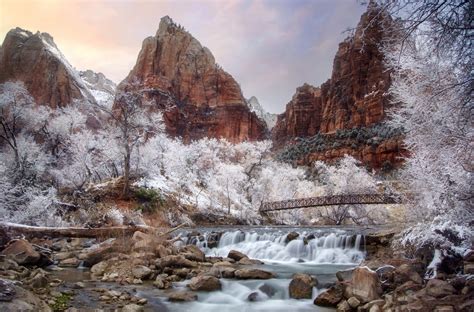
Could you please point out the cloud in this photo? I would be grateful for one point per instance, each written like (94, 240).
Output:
(269, 46)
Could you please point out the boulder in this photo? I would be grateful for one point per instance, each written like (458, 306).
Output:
(247, 261)
(222, 264)
(174, 261)
(386, 273)
(267, 290)
(365, 284)
(253, 274)
(182, 296)
(161, 251)
(20, 299)
(99, 268)
(301, 286)
(22, 252)
(468, 268)
(236, 255)
(69, 262)
(373, 306)
(141, 272)
(132, 307)
(64, 255)
(7, 290)
(343, 306)
(222, 271)
(193, 253)
(204, 283)
(405, 273)
(182, 272)
(161, 283)
(256, 296)
(330, 297)
(439, 288)
(353, 302)
(97, 253)
(38, 279)
(344, 275)
(291, 236)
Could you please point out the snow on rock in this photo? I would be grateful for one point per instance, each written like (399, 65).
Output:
(35, 60)
(101, 88)
(254, 105)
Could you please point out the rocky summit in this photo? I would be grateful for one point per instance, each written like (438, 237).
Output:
(198, 98)
(355, 97)
(35, 60)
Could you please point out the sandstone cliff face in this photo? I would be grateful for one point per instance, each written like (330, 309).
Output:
(354, 97)
(302, 117)
(198, 98)
(35, 60)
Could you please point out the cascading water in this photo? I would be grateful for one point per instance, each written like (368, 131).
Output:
(320, 253)
(335, 248)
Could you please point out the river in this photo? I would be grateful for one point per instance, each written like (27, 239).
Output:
(320, 252)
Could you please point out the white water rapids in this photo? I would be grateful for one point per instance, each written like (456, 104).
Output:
(321, 254)
(329, 248)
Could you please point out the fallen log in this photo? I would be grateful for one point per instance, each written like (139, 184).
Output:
(103, 232)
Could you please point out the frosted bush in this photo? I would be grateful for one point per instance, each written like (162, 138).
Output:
(441, 232)
(114, 216)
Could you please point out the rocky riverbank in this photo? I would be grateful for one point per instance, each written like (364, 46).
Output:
(115, 274)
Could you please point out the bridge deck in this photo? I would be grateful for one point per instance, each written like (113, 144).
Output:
(331, 200)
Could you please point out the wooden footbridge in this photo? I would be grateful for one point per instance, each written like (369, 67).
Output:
(330, 200)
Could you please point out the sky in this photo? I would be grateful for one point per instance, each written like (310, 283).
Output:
(269, 46)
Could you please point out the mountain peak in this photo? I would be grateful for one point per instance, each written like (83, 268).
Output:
(36, 60)
(198, 97)
(255, 106)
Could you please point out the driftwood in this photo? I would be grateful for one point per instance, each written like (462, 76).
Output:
(103, 232)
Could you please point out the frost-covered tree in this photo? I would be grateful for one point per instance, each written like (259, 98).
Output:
(432, 83)
(347, 177)
(15, 104)
(432, 90)
(25, 196)
(132, 123)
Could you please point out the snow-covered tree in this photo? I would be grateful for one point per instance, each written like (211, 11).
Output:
(347, 177)
(432, 83)
(25, 196)
(132, 122)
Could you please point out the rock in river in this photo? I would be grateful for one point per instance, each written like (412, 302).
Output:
(253, 274)
(182, 296)
(301, 286)
(366, 284)
(22, 252)
(205, 283)
(236, 255)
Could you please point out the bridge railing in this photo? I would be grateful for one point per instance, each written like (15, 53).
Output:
(330, 200)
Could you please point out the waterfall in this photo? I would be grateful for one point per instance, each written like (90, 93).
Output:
(318, 248)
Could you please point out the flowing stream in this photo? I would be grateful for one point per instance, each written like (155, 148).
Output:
(319, 252)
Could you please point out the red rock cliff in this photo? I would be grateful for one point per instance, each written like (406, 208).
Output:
(35, 60)
(354, 97)
(197, 97)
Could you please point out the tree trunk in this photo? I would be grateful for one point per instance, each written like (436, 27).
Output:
(126, 173)
(105, 232)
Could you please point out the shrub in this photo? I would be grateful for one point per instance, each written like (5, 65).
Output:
(144, 194)
(150, 199)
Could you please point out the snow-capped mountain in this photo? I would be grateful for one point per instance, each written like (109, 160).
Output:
(102, 88)
(254, 105)
(35, 60)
